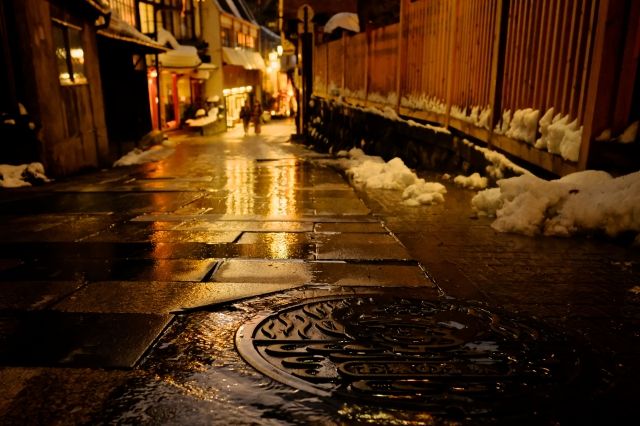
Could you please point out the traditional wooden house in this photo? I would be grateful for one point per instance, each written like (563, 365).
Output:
(52, 76)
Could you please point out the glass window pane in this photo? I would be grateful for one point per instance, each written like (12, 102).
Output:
(77, 56)
(61, 55)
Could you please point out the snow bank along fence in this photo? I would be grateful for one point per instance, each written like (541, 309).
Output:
(539, 79)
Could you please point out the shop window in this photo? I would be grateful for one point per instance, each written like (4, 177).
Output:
(225, 37)
(69, 54)
(241, 39)
(250, 42)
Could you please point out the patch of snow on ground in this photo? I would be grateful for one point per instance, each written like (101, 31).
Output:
(475, 181)
(22, 175)
(373, 173)
(499, 162)
(139, 156)
(588, 201)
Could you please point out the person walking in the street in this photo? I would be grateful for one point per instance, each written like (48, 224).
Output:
(245, 116)
(257, 117)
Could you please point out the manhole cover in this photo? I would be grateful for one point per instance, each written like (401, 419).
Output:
(451, 359)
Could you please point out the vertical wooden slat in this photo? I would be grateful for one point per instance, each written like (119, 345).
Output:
(570, 58)
(451, 61)
(578, 60)
(587, 62)
(550, 74)
(543, 38)
(498, 60)
(629, 69)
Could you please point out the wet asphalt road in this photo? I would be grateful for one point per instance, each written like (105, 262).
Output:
(121, 292)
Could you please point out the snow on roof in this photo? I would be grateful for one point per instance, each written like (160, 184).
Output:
(180, 56)
(345, 20)
(121, 30)
(246, 59)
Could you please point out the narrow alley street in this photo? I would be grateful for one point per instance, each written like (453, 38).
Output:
(243, 280)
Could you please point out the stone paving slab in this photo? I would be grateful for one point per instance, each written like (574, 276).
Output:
(160, 236)
(99, 203)
(152, 217)
(160, 297)
(358, 228)
(360, 246)
(246, 226)
(264, 271)
(367, 274)
(34, 295)
(87, 269)
(77, 340)
(346, 207)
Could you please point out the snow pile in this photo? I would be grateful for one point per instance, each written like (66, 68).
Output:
(373, 173)
(139, 156)
(203, 118)
(499, 163)
(478, 117)
(589, 201)
(475, 181)
(22, 175)
(423, 192)
(424, 103)
(559, 136)
(630, 134)
(355, 94)
(523, 125)
(390, 99)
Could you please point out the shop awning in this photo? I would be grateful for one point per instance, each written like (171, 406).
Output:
(122, 31)
(248, 60)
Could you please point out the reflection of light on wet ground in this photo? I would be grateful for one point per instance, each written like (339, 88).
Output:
(240, 177)
(282, 200)
(279, 244)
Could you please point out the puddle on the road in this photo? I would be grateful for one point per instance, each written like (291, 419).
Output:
(477, 368)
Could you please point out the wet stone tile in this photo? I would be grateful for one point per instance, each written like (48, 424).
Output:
(246, 226)
(77, 340)
(348, 206)
(370, 274)
(160, 297)
(88, 269)
(264, 271)
(360, 246)
(9, 263)
(34, 295)
(161, 232)
(368, 227)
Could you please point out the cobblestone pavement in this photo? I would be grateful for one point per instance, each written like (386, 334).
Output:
(121, 291)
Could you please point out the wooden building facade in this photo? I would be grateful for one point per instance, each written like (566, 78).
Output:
(53, 77)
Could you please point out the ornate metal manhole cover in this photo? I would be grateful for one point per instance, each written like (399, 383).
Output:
(451, 359)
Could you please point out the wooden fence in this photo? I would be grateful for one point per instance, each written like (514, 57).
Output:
(464, 63)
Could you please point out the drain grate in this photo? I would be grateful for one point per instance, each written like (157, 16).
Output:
(451, 359)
